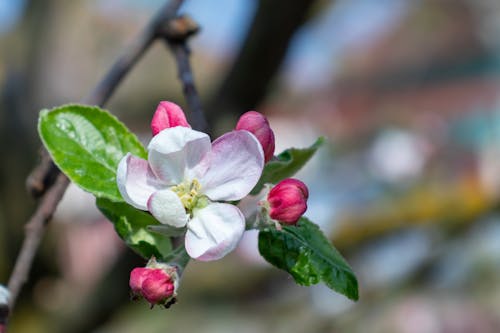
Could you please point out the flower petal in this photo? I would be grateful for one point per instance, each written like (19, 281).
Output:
(167, 208)
(235, 166)
(136, 181)
(214, 231)
(176, 150)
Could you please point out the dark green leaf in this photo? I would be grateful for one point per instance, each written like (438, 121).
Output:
(132, 226)
(286, 164)
(304, 252)
(87, 143)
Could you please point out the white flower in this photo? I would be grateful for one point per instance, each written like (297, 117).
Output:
(186, 177)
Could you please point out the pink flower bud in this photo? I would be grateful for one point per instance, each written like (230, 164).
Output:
(155, 282)
(257, 124)
(157, 287)
(288, 200)
(167, 115)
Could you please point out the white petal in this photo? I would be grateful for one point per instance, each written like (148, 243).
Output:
(136, 181)
(177, 150)
(167, 208)
(251, 204)
(235, 166)
(214, 231)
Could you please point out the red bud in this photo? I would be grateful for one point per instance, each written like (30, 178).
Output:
(154, 284)
(288, 200)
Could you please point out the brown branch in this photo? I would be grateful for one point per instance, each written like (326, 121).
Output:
(46, 172)
(122, 66)
(176, 33)
(48, 182)
(34, 232)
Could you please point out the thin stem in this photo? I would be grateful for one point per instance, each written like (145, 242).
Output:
(35, 229)
(176, 34)
(52, 193)
(181, 54)
(102, 92)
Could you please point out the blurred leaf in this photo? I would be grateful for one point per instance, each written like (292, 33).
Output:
(132, 226)
(304, 252)
(87, 143)
(166, 230)
(286, 165)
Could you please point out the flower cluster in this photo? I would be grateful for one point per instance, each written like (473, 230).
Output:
(191, 183)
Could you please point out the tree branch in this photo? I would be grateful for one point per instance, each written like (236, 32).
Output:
(47, 182)
(176, 34)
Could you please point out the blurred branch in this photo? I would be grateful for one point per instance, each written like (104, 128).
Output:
(122, 66)
(47, 182)
(451, 206)
(263, 51)
(34, 232)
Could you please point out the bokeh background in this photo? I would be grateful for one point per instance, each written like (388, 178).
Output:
(407, 188)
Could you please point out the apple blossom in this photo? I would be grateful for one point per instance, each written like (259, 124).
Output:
(185, 180)
(258, 125)
(167, 115)
(288, 200)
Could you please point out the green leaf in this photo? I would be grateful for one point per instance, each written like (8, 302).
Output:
(304, 252)
(87, 143)
(287, 164)
(132, 226)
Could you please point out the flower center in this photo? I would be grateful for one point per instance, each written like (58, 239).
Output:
(188, 192)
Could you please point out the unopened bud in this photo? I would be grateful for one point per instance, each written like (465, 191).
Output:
(257, 124)
(288, 200)
(157, 283)
(167, 115)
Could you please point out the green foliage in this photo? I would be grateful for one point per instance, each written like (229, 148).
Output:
(287, 164)
(304, 252)
(87, 143)
(132, 226)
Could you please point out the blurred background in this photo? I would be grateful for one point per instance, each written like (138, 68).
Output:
(408, 187)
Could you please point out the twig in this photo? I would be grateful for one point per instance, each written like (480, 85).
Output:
(51, 193)
(46, 172)
(122, 66)
(176, 34)
(34, 232)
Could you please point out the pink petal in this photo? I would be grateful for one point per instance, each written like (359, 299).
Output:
(176, 152)
(157, 287)
(137, 276)
(136, 181)
(167, 208)
(214, 231)
(235, 166)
